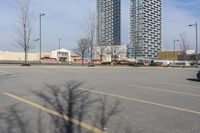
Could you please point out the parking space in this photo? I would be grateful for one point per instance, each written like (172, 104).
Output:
(153, 100)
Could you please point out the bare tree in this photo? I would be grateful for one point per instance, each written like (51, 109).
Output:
(184, 46)
(82, 49)
(69, 101)
(13, 119)
(90, 31)
(105, 112)
(84, 106)
(100, 51)
(115, 51)
(24, 28)
(124, 126)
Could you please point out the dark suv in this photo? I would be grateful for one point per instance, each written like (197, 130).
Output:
(198, 75)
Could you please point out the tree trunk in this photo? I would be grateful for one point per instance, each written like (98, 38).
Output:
(82, 59)
(69, 126)
(101, 57)
(25, 57)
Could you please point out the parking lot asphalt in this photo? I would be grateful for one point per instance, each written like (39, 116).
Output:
(152, 100)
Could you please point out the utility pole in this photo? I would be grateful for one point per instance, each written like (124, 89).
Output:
(197, 59)
(91, 54)
(196, 51)
(40, 18)
(59, 45)
(175, 50)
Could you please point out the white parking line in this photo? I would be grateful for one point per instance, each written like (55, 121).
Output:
(180, 85)
(43, 71)
(55, 113)
(164, 106)
(164, 90)
(5, 72)
(74, 71)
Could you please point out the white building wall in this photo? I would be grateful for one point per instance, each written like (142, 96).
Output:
(19, 56)
(119, 50)
(63, 53)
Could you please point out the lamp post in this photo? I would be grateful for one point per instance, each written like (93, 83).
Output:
(196, 51)
(175, 50)
(40, 36)
(59, 45)
(59, 53)
(91, 53)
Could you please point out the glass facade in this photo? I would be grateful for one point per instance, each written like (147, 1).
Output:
(145, 28)
(108, 22)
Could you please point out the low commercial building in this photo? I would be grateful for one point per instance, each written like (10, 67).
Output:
(109, 53)
(177, 55)
(19, 56)
(169, 55)
(61, 54)
(101, 53)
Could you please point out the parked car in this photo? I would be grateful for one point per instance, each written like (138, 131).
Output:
(198, 75)
(123, 62)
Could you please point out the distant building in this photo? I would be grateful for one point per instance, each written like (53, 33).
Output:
(61, 54)
(169, 55)
(110, 53)
(108, 22)
(188, 55)
(145, 28)
(19, 56)
(190, 52)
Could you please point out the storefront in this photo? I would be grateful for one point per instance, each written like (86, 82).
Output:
(62, 55)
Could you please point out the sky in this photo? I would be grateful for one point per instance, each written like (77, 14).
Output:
(66, 19)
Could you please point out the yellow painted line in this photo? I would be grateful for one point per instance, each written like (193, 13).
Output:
(52, 112)
(143, 101)
(169, 91)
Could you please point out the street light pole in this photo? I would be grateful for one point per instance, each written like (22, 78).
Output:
(175, 49)
(59, 45)
(197, 60)
(41, 36)
(91, 53)
(196, 51)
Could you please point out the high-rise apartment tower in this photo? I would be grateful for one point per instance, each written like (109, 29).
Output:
(145, 28)
(108, 22)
